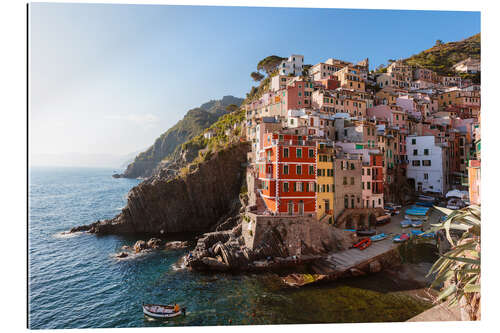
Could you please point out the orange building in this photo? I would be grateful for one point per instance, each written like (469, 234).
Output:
(287, 173)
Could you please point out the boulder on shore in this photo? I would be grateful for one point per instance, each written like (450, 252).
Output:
(176, 245)
(154, 243)
(122, 255)
(139, 246)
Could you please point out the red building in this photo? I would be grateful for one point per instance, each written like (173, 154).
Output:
(287, 174)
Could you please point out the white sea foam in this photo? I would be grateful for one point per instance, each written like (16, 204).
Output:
(67, 234)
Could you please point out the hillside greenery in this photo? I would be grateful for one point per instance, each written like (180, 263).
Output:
(441, 57)
(194, 122)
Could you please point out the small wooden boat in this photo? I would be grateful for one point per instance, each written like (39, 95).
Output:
(159, 311)
(416, 224)
(363, 244)
(406, 223)
(366, 232)
(401, 238)
(384, 219)
(379, 237)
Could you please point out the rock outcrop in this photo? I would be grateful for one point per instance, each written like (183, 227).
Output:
(226, 250)
(194, 202)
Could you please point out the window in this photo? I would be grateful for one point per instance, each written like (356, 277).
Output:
(352, 166)
(299, 152)
(426, 176)
(426, 151)
(415, 152)
(285, 152)
(415, 163)
(413, 141)
(426, 162)
(285, 169)
(300, 186)
(344, 181)
(311, 169)
(346, 202)
(368, 185)
(368, 171)
(352, 180)
(362, 172)
(299, 169)
(285, 187)
(311, 153)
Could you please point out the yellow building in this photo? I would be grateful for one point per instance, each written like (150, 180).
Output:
(325, 186)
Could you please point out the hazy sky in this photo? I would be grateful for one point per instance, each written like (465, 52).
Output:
(109, 79)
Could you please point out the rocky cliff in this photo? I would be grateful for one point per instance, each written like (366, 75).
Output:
(193, 202)
(193, 123)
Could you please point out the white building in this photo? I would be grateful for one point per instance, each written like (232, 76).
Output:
(279, 82)
(427, 164)
(293, 65)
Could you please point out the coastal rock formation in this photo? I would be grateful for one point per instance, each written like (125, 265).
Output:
(194, 202)
(176, 245)
(226, 250)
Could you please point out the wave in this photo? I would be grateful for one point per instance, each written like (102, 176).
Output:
(67, 234)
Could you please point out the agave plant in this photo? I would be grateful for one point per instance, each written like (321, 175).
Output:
(459, 270)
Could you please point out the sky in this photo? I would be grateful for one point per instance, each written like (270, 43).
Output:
(107, 80)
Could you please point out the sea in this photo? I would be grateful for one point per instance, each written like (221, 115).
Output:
(76, 281)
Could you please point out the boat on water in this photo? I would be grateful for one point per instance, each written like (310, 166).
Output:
(379, 237)
(401, 238)
(416, 224)
(366, 232)
(159, 311)
(406, 223)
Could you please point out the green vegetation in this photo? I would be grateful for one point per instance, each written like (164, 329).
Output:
(460, 268)
(441, 57)
(194, 122)
(256, 76)
(268, 64)
(257, 92)
(225, 131)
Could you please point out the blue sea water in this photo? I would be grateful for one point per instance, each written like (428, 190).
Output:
(75, 281)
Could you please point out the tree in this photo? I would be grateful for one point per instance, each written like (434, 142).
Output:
(256, 76)
(268, 64)
(439, 42)
(391, 61)
(231, 107)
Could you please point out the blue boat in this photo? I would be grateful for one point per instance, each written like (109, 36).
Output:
(421, 211)
(425, 204)
(379, 237)
(406, 223)
(416, 224)
(416, 232)
(429, 235)
(351, 230)
(401, 238)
